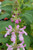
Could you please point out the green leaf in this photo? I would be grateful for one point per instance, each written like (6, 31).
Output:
(4, 15)
(4, 24)
(1, 36)
(3, 40)
(32, 26)
(4, 3)
(28, 5)
(20, 2)
(31, 1)
(28, 17)
(27, 41)
(26, 1)
(7, 8)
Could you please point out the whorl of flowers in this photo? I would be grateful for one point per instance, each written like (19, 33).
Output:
(13, 32)
(15, 18)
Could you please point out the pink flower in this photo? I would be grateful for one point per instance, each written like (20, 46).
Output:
(9, 47)
(25, 45)
(5, 35)
(16, 22)
(17, 26)
(16, 8)
(13, 37)
(7, 44)
(6, 28)
(21, 29)
(24, 32)
(13, 16)
(8, 33)
(24, 27)
(22, 46)
(13, 33)
(18, 14)
(22, 42)
(21, 37)
(10, 27)
(20, 32)
(11, 20)
(19, 20)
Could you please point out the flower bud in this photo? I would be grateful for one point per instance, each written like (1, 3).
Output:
(16, 22)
